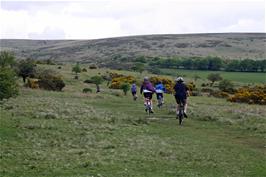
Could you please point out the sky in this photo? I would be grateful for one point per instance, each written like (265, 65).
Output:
(94, 19)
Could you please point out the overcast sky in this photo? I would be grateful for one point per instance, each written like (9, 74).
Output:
(94, 19)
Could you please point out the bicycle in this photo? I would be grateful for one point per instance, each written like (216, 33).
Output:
(180, 115)
(135, 97)
(160, 101)
(148, 106)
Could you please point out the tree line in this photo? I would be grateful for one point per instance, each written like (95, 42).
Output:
(210, 63)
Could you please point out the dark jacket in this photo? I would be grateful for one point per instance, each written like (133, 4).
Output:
(147, 85)
(180, 90)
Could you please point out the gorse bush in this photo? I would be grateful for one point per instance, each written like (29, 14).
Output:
(119, 79)
(49, 80)
(33, 83)
(251, 95)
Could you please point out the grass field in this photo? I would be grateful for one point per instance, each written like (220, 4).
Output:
(69, 133)
(242, 77)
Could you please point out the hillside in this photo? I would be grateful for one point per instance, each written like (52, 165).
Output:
(228, 45)
(70, 133)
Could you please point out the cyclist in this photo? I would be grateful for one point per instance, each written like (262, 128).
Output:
(181, 93)
(147, 89)
(134, 91)
(160, 89)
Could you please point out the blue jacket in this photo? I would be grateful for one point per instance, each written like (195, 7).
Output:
(160, 87)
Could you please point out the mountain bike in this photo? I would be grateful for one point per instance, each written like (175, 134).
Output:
(148, 106)
(135, 97)
(160, 101)
(180, 115)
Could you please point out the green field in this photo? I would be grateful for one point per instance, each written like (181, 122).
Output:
(69, 133)
(243, 77)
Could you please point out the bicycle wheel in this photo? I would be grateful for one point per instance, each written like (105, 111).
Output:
(181, 113)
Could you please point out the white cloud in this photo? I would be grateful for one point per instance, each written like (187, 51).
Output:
(109, 18)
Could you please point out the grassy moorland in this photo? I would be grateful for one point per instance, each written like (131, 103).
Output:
(70, 133)
(240, 77)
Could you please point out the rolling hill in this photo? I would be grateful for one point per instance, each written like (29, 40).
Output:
(225, 45)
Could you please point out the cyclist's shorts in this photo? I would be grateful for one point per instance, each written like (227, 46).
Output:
(133, 93)
(180, 100)
(159, 95)
(148, 95)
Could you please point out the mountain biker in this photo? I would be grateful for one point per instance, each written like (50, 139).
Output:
(134, 91)
(181, 93)
(147, 89)
(160, 89)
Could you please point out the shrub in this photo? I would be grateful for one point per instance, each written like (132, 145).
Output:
(226, 86)
(88, 81)
(119, 79)
(93, 66)
(49, 80)
(8, 86)
(191, 86)
(125, 87)
(213, 77)
(7, 59)
(84, 70)
(86, 90)
(219, 94)
(251, 95)
(33, 83)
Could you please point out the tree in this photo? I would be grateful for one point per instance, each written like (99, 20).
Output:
(125, 87)
(8, 86)
(7, 59)
(187, 63)
(215, 63)
(97, 80)
(262, 65)
(226, 86)
(139, 67)
(233, 65)
(213, 77)
(76, 69)
(26, 68)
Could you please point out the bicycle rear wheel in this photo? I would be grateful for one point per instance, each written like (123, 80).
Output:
(181, 113)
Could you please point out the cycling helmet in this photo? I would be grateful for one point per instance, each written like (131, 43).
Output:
(146, 78)
(179, 79)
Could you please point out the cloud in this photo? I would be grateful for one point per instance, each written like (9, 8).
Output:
(48, 33)
(110, 18)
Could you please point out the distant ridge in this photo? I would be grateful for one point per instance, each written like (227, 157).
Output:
(224, 45)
